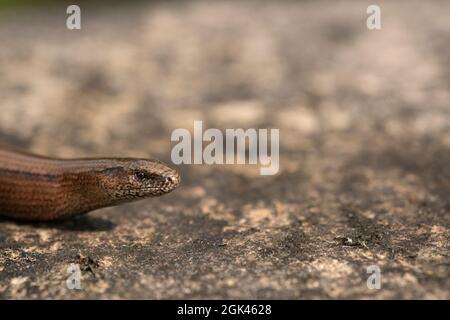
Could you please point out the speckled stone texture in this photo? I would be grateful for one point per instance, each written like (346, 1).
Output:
(364, 120)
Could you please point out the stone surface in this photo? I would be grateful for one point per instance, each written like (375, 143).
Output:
(365, 147)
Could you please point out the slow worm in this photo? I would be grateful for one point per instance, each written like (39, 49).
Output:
(41, 188)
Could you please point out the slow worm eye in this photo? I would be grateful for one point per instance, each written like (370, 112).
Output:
(140, 175)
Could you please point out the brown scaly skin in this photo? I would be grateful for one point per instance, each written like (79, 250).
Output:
(37, 188)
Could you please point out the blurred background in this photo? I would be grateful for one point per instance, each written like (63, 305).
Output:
(364, 140)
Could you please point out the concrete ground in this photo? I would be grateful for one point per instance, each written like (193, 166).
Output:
(364, 120)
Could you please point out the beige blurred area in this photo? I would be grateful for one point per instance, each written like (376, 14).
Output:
(364, 119)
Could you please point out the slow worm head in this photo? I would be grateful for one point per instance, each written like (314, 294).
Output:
(40, 188)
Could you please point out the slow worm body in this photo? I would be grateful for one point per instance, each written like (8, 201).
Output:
(41, 188)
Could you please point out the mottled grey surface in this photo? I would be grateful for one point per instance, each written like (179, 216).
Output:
(365, 147)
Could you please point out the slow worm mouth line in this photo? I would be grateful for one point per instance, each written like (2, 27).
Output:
(27, 192)
(161, 188)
